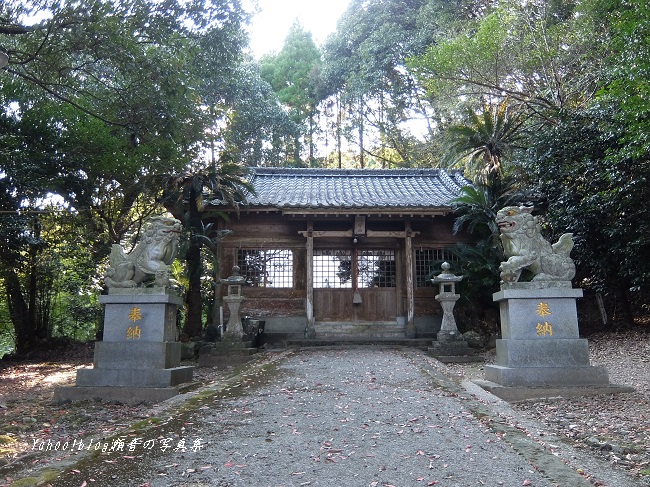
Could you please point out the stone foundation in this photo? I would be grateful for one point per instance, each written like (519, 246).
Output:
(139, 359)
(540, 343)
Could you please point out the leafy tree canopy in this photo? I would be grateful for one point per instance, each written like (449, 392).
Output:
(116, 92)
(543, 55)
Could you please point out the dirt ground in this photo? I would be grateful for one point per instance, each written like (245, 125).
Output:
(29, 416)
(613, 428)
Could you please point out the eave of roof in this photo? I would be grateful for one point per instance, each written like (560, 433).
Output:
(318, 191)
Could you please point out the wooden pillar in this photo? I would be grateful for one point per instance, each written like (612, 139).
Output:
(310, 331)
(410, 300)
(399, 276)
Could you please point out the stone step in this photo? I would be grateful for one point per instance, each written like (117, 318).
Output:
(360, 329)
(420, 343)
(345, 333)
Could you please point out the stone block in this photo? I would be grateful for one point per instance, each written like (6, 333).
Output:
(154, 314)
(427, 326)
(540, 345)
(229, 358)
(539, 352)
(284, 324)
(457, 347)
(522, 393)
(133, 377)
(125, 395)
(188, 350)
(546, 376)
(225, 353)
(139, 351)
(377, 329)
(524, 290)
(137, 355)
(524, 311)
(141, 295)
(453, 350)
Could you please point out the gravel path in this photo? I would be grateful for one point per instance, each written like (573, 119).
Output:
(336, 417)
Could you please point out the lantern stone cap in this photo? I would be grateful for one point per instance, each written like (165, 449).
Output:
(445, 275)
(236, 278)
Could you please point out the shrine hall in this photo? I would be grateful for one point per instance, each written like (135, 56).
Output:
(334, 252)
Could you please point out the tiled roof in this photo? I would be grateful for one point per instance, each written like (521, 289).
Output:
(331, 189)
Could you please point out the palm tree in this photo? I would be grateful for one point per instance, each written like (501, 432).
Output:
(484, 140)
(483, 144)
(476, 210)
(183, 198)
(477, 206)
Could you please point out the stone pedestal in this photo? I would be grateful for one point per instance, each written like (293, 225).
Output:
(448, 328)
(234, 329)
(449, 345)
(232, 349)
(540, 346)
(139, 357)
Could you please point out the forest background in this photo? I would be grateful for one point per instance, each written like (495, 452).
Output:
(113, 111)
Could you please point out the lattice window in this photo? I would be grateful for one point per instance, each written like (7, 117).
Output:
(334, 269)
(427, 264)
(266, 267)
(377, 268)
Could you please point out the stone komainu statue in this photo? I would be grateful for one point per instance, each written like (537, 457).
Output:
(525, 248)
(151, 257)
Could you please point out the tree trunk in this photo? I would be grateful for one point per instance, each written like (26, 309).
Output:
(296, 152)
(311, 139)
(33, 283)
(339, 130)
(193, 321)
(31, 307)
(382, 130)
(626, 317)
(19, 312)
(362, 161)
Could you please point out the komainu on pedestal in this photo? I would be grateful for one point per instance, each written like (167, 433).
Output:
(540, 353)
(138, 359)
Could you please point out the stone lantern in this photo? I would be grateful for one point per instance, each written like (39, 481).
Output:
(447, 298)
(234, 298)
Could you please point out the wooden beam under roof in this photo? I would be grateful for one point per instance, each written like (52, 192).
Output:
(369, 233)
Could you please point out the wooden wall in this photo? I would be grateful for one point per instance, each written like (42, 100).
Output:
(267, 231)
(273, 230)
